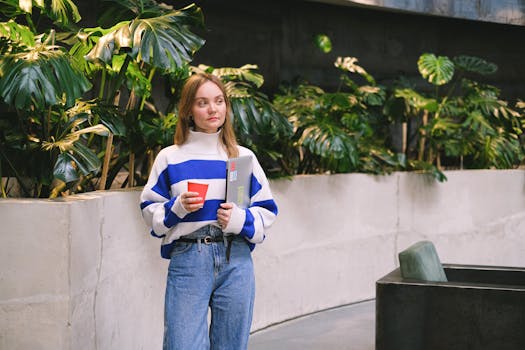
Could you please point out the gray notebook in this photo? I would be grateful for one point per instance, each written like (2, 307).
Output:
(238, 180)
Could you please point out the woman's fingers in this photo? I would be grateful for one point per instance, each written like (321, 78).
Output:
(224, 214)
(191, 201)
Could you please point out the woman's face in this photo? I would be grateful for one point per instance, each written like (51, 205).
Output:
(209, 108)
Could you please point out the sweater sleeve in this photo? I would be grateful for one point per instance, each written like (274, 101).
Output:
(160, 210)
(252, 222)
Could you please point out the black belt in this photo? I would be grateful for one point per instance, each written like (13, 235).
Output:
(209, 240)
(205, 240)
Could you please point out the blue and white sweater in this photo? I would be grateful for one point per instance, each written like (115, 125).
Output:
(202, 159)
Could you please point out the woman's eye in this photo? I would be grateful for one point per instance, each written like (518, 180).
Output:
(202, 103)
(219, 101)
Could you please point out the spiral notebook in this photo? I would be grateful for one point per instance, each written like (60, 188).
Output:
(238, 180)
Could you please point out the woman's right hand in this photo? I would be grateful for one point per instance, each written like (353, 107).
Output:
(191, 201)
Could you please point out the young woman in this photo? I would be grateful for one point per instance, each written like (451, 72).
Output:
(209, 243)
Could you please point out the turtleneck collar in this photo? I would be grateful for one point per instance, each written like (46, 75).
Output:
(203, 143)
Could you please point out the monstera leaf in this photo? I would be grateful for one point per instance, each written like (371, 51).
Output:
(63, 11)
(17, 34)
(164, 41)
(79, 158)
(416, 101)
(475, 65)
(40, 77)
(437, 70)
(114, 11)
(328, 141)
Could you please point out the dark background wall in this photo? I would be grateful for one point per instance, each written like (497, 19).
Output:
(278, 37)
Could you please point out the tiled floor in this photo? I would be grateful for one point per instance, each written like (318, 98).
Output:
(350, 327)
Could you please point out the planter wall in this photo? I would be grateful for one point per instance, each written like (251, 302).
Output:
(83, 273)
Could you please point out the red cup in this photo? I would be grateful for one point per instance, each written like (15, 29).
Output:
(200, 188)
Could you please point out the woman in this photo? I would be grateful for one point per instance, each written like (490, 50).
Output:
(209, 243)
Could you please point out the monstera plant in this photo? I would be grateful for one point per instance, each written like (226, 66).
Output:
(338, 131)
(461, 118)
(41, 134)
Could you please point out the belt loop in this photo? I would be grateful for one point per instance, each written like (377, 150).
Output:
(199, 245)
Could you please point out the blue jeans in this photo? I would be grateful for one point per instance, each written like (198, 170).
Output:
(200, 277)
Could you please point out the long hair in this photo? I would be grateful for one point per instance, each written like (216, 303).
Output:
(187, 99)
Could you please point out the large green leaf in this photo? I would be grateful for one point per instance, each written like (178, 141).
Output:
(86, 160)
(475, 64)
(64, 169)
(114, 11)
(165, 41)
(416, 100)
(64, 12)
(17, 34)
(11, 8)
(39, 78)
(79, 158)
(437, 70)
(329, 141)
(246, 73)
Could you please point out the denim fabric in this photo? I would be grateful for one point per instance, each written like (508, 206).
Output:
(200, 277)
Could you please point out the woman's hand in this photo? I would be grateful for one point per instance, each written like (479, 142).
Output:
(224, 214)
(191, 201)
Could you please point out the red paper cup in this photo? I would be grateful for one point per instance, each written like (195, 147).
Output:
(200, 188)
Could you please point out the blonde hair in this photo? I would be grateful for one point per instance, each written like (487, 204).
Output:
(187, 99)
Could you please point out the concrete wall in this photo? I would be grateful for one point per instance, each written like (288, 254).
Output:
(83, 273)
(507, 12)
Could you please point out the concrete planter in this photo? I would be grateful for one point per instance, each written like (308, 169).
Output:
(83, 272)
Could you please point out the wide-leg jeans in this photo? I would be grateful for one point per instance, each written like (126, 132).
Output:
(200, 277)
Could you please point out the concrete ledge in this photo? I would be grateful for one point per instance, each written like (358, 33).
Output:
(84, 273)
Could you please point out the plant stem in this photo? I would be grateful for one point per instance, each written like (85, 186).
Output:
(102, 84)
(423, 136)
(404, 137)
(143, 101)
(30, 23)
(105, 167)
(121, 76)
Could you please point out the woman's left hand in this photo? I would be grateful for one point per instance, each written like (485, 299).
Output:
(224, 214)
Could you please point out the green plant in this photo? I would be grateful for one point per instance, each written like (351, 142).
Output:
(39, 85)
(338, 131)
(466, 121)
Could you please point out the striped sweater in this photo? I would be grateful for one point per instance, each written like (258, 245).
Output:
(202, 159)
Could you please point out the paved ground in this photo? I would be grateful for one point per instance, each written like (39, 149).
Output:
(349, 327)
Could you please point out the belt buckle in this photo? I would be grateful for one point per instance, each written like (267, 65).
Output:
(208, 240)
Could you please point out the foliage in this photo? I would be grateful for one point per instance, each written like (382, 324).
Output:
(79, 104)
(337, 131)
(467, 121)
(40, 85)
